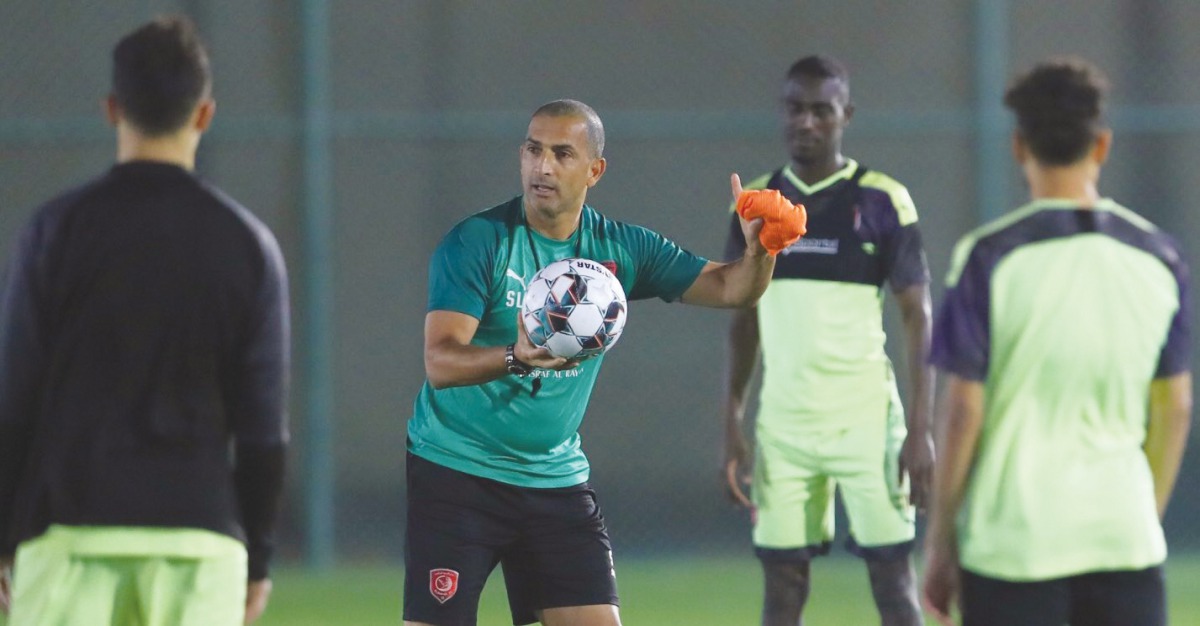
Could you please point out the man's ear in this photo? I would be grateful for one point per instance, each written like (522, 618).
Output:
(112, 110)
(599, 166)
(203, 115)
(1020, 149)
(1102, 146)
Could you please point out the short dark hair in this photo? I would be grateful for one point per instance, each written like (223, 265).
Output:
(819, 66)
(160, 72)
(1059, 106)
(575, 108)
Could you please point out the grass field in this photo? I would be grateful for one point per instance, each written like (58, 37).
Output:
(677, 592)
(666, 592)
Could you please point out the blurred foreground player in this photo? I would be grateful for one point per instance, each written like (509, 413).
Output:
(496, 474)
(143, 370)
(1065, 338)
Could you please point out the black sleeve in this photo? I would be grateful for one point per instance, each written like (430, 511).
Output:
(905, 258)
(260, 379)
(1176, 355)
(22, 362)
(961, 342)
(260, 416)
(258, 474)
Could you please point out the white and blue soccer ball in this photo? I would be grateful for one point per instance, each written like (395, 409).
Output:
(576, 308)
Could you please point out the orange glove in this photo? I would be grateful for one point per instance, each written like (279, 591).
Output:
(784, 223)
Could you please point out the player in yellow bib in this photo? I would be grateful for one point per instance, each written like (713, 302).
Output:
(1065, 335)
(830, 417)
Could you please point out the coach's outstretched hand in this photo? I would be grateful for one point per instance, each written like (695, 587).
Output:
(784, 223)
(751, 226)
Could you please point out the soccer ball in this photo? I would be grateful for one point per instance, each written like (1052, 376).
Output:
(575, 308)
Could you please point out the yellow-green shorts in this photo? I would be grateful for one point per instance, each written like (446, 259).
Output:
(795, 477)
(129, 576)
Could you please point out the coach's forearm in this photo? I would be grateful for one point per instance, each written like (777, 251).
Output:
(749, 277)
(732, 285)
(450, 365)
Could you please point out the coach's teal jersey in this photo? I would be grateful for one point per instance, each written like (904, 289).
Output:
(821, 317)
(498, 429)
(1065, 314)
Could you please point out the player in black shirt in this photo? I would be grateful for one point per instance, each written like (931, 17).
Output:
(143, 370)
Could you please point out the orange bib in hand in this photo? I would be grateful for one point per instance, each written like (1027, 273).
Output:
(783, 222)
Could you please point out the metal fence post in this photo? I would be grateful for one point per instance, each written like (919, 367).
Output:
(317, 237)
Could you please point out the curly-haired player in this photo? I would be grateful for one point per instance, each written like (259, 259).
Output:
(1065, 339)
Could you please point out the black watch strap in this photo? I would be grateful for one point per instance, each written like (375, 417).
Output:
(514, 365)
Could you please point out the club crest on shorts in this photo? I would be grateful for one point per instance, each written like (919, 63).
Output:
(443, 584)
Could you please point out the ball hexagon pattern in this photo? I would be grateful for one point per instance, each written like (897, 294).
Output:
(576, 308)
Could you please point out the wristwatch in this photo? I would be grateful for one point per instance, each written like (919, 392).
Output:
(514, 365)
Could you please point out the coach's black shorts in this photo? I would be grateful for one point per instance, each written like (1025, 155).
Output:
(551, 543)
(1120, 598)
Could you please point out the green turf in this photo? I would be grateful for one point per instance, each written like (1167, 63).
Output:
(666, 592)
(674, 592)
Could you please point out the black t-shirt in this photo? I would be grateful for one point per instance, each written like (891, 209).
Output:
(143, 362)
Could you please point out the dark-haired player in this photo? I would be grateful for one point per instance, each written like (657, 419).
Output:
(1065, 339)
(495, 474)
(143, 338)
(830, 416)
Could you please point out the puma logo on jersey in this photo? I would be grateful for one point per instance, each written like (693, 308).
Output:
(511, 274)
(513, 298)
